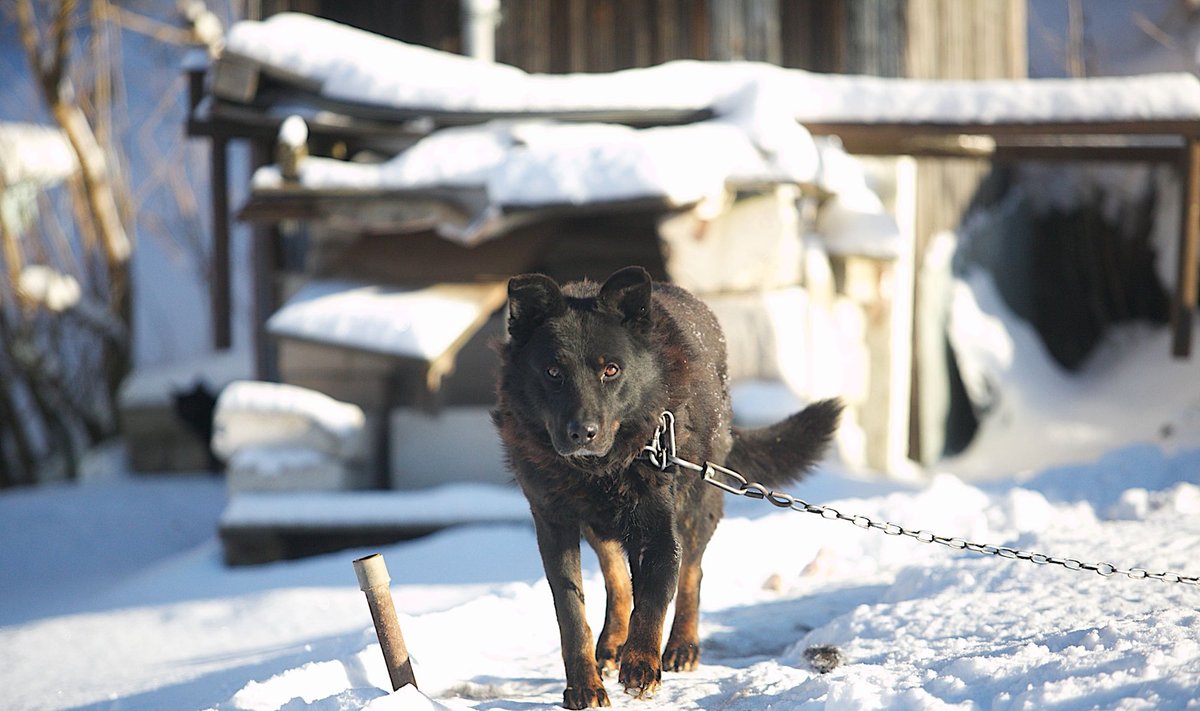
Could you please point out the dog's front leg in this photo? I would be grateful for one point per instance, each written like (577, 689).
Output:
(618, 600)
(559, 546)
(655, 573)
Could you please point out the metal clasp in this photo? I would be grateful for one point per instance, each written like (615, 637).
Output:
(713, 471)
(661, 449)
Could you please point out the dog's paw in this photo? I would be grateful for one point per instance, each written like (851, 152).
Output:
(684, 657)
(641, 674)
(607, 659)
(585, 697)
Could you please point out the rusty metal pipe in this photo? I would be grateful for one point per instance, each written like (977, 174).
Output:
(374, 581)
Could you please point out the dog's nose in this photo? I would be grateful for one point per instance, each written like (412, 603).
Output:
(582, 432)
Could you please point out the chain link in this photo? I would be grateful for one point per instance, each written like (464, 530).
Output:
(661, 453)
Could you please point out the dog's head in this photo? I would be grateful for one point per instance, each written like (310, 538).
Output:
(582, 357)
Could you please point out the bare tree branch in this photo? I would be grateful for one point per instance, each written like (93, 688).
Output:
(61, 31)
(73, 362)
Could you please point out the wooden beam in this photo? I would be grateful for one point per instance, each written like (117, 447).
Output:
(988, 148)
(904, 130)
(265, 267)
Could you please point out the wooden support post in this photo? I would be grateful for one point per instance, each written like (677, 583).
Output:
(265, 270)
(219, 281)
(373, 580)
(1184, 304)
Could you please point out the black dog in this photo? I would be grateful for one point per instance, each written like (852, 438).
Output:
(585, 375)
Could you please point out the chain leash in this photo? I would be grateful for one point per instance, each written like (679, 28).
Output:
(661, 453)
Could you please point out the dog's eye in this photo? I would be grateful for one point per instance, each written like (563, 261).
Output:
(554, 372)
(612, 370)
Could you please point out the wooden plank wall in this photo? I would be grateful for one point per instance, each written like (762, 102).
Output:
(607, 35)
(951, 39)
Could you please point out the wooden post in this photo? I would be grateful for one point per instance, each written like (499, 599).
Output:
(220, 283)
(1184, 303)
(373, 580)
(265, 268)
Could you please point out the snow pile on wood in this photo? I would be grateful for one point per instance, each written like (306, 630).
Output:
(357, 66)
(421, 324)
(34, 154)
(277, 436)
(537, 162)
(753, 132)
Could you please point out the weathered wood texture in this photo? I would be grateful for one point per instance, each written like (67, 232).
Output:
(951, 39)
(433, 23)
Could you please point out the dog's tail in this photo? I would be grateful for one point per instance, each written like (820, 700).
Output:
(783, 452)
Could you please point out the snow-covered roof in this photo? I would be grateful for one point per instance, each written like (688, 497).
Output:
(423, 324)
(753, 135)
(360, 67)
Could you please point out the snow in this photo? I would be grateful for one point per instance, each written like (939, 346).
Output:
(39, 155)
(293, 132)
(533, 163)
(113, 594)
(444, 505)
(152, 386)
(252, 414)
(110, 600)
(1128, 390)
(357, 66)
(753, 138)
(54, 290)
(1147, 97)
(418, 323)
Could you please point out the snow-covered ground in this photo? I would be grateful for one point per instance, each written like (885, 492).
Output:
(114, 597)
(113, 594)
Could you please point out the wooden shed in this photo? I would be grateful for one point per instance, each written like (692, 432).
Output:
(918, 38)
(419, 267)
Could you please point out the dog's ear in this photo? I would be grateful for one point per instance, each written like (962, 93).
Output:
(627, 293)
(532, 298)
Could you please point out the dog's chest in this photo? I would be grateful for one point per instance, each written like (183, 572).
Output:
(615, 503)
